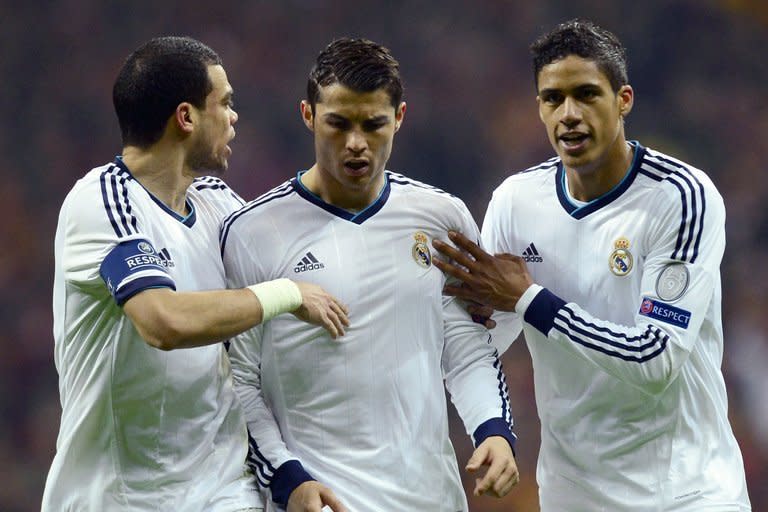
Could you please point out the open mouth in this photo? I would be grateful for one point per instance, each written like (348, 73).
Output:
(356, 167)
(573, 140)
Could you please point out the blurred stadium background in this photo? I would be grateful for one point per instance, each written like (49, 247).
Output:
(696, 66)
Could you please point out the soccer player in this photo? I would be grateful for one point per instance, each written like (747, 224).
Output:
(618, 292)
(366, 417)
(143, 426)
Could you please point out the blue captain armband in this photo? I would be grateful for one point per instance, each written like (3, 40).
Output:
(133, 266)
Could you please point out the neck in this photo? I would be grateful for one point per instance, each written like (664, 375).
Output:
(597, 179)
(351, 198)
(162, 173)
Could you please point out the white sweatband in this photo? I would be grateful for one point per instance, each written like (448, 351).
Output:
(277, 297)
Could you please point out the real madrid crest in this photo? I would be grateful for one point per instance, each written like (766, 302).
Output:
(620, 261)
(420, 250)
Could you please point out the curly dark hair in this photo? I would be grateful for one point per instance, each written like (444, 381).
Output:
(587, 40)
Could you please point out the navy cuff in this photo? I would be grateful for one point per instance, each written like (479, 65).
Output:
(495, 427)
(288, 477)
(542, 310)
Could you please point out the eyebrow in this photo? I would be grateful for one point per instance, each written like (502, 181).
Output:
(338, 117)
(580, 87)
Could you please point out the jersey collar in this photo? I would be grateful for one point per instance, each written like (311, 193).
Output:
(356, 217)
(580, 211)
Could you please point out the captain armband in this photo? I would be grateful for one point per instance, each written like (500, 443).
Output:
(277, 297)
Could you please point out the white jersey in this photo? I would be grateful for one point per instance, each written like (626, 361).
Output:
(141, 429)
(365, 414)
(625, 338)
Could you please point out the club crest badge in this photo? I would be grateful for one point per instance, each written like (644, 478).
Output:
(620, 261)
(420, 250)
(672, 282)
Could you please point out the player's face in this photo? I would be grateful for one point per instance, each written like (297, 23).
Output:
(215, 128)
(353, 140)
(582, 114)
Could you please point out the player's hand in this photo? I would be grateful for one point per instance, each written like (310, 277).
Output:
(481, 314)
(313, 496)
(321, 308)
(502, 473)
(498, 281)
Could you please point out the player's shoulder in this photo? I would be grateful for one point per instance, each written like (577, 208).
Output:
(278, 197)
(523, 181)
(214, 187)
(680, 180)
(413, 189)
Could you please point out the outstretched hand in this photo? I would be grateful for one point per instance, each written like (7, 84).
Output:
(321, 308)
(502, 474)
(498, 281)
(312, 496)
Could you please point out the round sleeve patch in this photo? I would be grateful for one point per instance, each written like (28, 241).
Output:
(672, 282)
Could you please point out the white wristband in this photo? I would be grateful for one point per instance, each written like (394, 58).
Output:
(277, 297)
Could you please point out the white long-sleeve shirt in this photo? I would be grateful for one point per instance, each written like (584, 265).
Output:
(365, 414)
(624, 331)
(141, 429)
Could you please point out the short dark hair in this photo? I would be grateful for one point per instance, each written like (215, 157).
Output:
(359, 64)
(587, 40)
(154, 79)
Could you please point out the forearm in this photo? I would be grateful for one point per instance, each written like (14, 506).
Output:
(171, 320)
(647, 356)
(475, 378)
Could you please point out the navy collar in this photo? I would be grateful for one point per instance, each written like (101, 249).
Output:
(581, 211)
(191, 217)
(356, 217)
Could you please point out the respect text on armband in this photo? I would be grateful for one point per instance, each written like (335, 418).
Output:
(665, 313)
(141, 260)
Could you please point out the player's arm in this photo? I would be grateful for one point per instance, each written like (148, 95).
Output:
(276, 468)
(168, 320)
(477, 386)
(647, 354)
(476, 383)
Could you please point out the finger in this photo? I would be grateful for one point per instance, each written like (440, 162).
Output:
(451, 270)
(327, 322)
(336, 317)
(341, 305)
(468, 245)
(490, 478)
(330, 499)
(508, 485)
(342, 312)
(480, 310)
(458, 256)
(477, 459)
(460, 292)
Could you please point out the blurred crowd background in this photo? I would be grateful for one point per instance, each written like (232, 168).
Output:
(695, 65)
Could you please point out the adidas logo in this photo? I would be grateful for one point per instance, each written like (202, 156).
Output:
(531, 255)
(308, 262)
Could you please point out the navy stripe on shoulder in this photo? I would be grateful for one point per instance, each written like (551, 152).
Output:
(692, 198)
(400, 179)
(548, 164)
(213, 183)
(283, 190)
(114, 195)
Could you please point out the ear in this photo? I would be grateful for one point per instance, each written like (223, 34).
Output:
(307, 115)
(538, 104)
(184, 117)
(400, 116)
(626, 98)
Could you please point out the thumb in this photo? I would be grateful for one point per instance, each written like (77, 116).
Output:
(477, 459)
(331, 500)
